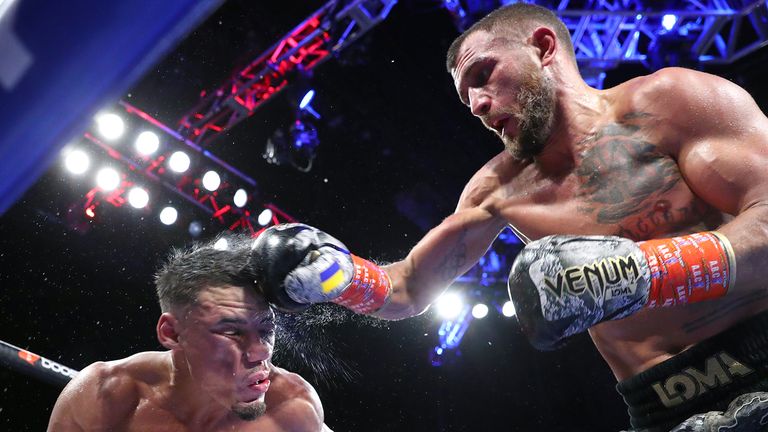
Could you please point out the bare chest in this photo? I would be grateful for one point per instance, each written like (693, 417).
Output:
(623, 187)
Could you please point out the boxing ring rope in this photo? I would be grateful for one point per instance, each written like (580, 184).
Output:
(34, 365)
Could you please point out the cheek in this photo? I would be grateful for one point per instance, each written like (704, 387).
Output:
(216, 359)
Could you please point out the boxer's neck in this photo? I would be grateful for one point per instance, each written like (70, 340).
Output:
(579, 109)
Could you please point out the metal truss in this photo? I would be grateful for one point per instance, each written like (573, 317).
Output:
(606, 33)
(140, 170)
(324, 34)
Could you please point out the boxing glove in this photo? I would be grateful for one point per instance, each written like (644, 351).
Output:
(562, 285)
(296, 265)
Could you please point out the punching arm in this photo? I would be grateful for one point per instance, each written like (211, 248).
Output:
(296, 265)
(445, 253)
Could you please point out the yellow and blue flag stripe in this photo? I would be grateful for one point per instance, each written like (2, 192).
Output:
(331, 278)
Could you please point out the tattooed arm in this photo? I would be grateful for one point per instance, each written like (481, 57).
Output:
(448, 250)
(724, 160)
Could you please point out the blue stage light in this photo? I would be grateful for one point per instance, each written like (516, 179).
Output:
(668, 21)
(307, 99)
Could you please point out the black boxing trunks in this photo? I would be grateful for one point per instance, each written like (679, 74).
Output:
(719, 384)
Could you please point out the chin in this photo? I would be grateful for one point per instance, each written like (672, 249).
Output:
(528, 144)
(249, 411)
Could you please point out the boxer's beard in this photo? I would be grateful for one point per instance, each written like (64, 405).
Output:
(249, 411)
(537, 107)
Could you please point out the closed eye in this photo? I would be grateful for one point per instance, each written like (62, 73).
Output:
(480, 78)
(476, 76)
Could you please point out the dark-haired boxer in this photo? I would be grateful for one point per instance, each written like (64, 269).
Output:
(655, 191)
(217, 374)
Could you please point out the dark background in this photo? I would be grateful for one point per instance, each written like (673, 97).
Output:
(393, 133)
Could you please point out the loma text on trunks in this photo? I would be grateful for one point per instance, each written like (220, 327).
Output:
(719, 370)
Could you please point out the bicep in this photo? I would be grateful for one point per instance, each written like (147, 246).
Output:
(728, 168)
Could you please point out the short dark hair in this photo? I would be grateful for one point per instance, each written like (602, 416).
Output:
(189, 270)
(512, 17)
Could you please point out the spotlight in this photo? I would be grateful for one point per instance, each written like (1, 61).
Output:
(241, 198)
(147, 143)
(264, 217)
(195, 228)
(138, 198)
(480, 311)
(179, 162)
(449, 305)
(668, 21)
(211, 180)
(110, 126)
(508, 309)
(77, 162)
(305, 106)
(107, 179)
(307, 99)
(221, 244)
(168, 215)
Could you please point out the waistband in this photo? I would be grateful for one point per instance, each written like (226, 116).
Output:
(705, 377)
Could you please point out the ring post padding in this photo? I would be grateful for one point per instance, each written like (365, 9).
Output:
(34, 365)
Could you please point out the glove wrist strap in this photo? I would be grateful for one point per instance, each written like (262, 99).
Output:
(369, 290)
(689, 269)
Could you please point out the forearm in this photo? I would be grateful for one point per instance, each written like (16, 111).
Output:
(445, 253)
(748, 235)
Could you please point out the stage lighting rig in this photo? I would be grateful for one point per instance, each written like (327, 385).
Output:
(656, 33)
(151, 166)
(322, 36)
(297, 147)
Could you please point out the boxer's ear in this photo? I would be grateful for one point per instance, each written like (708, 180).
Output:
(168, 330)
(545, 39)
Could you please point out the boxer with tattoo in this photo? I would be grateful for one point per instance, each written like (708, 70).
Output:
(647, 204)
